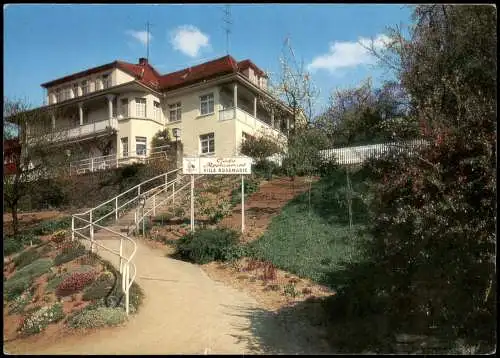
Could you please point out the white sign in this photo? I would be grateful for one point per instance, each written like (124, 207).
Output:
(235, 165)
(191, 165)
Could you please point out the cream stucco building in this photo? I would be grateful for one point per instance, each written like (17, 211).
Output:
(213, 107)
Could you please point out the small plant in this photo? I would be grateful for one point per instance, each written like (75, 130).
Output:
(13, 244)
(100, 288)
(269, 272)
(164, 217)
(289, 290)
(26, 257)
(41, 318)
(306, 291)
(23, 278)
(98, 317)
(69, 252)
(179, 212)
(75, 282)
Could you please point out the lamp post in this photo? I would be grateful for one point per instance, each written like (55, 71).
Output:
(177, 134)
(68, 154)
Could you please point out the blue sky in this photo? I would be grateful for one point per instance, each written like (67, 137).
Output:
(45, 42)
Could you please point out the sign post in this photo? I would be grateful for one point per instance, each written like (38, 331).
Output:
(192, 202)
(217, 166)
(242, 203)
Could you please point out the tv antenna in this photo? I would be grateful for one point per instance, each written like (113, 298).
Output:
(227, 26)
(148, 35)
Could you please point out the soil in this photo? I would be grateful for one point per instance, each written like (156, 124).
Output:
(28, 219)
(263, 205)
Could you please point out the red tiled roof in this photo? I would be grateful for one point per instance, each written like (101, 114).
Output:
(243, 65)
(146, 73)
(79, 74)
(220, 66)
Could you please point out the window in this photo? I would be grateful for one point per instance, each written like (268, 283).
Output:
(140, 145)
(115, 105)
(75, 90)
(207, 142)
(157, 110)
(140, 107)
(85, 87)
(58, 95)
(124, 107)
(66, 93)
(174, 112)
(125, 147)
(106, 81)
(207, 104)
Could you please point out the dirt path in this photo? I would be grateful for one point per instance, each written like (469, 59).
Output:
(263, 205)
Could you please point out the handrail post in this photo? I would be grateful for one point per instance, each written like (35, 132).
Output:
(166, 181)
(127, 271)
(91, 164)
(154, 205)
(139, 190)
(116, 209)
(173, 193)
(91, 233)
(72, 228)
(121, 255)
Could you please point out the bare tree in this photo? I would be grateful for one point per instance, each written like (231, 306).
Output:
(293, 87)
(32, 157)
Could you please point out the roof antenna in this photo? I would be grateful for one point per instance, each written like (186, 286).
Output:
(227, 27)
(147, 41)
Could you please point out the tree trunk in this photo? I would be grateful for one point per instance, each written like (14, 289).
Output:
(15, 221)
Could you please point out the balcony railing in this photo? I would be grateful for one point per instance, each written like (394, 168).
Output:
(245, 117)
(114, 161)
(75, 132)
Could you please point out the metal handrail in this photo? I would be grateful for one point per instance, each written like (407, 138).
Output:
(91, 223)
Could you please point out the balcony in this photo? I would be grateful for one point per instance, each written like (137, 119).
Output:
(77, 132)
(247, 118)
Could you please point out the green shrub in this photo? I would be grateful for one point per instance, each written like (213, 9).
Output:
(40, 319)
(164, 217)
(13, 244)
(13, 288)
(50, 226)
(100, 288)
(208, 245)
(33, 270)
(251, 186)
(69, 253)
(99, 317)
(26, 257)
(54, 282)
(179, 212)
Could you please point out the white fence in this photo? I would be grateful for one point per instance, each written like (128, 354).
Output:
(114, 161)
(355, 155)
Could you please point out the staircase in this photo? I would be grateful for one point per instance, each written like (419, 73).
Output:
(114, 242)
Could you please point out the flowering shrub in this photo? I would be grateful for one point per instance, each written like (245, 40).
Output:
(99, 317)
(41, 318)
(59, 236)
(75, 282)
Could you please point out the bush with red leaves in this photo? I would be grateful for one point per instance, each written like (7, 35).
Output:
(75, 283)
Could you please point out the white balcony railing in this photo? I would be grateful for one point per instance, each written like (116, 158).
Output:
(245, 117)
(73, 132)
(114, 161)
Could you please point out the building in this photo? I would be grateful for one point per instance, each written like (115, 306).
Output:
(11, 152)
(211, 107)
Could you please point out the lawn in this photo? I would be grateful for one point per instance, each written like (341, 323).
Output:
(314, 240)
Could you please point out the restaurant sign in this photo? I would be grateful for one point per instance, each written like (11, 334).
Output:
(205, 165)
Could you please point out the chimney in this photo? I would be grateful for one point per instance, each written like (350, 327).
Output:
(143, 61)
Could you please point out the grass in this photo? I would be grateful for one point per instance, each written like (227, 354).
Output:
(313, 240)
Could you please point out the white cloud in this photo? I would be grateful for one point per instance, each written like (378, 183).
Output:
(344, 55)
(141, 36)
(189, 40)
